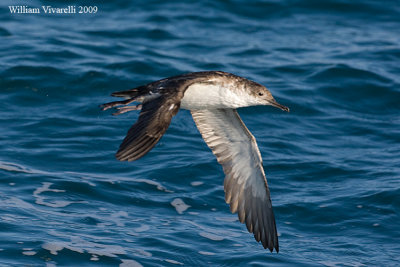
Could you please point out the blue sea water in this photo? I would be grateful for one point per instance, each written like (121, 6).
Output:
(332, 163)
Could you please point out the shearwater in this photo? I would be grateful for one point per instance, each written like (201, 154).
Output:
(212, 98)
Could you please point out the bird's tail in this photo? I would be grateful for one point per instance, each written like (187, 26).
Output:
(131, 93)
(130, 96)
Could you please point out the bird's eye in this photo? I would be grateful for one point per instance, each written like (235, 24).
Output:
(260, 93)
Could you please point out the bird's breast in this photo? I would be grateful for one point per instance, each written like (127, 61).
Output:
(211, 96)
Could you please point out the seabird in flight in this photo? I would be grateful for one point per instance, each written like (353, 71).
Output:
(212, 98)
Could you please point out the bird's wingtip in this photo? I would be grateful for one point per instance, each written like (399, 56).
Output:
(119, 157)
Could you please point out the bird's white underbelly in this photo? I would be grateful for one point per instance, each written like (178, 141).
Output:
(210, 96)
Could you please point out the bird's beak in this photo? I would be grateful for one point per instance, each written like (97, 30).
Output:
(277, 105)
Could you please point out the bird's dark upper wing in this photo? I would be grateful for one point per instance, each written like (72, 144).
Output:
(245, 185)
(154, 120)
(156, 113)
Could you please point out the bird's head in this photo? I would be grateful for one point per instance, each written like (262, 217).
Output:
(262, 96)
